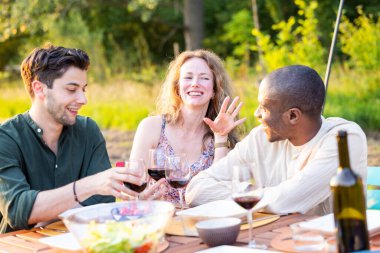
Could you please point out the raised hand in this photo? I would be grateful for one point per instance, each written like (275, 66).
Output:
(225, 121)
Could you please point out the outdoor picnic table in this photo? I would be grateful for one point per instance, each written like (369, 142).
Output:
(15, 242)
(263, 235)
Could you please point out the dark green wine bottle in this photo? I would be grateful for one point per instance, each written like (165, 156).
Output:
(349, 203)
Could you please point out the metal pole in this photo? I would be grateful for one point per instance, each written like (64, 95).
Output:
(329, 62)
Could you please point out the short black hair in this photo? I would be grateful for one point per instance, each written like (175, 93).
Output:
(49, 63)
(298, 86)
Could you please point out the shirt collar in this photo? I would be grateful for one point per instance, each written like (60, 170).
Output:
(37, 129)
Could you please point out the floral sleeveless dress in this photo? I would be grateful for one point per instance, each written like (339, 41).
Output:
(204, 161)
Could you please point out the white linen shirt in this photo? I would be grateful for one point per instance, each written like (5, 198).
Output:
(293, 178)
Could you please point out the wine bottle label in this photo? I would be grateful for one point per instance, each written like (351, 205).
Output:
(350, 213)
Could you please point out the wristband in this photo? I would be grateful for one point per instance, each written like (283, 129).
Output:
(221, 145)
(75, 195)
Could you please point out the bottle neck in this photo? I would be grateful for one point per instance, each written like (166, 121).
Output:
(344, 159)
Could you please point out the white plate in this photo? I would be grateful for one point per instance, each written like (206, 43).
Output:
(215, 209)
(65, 241)
(229, 249)
(326, 223)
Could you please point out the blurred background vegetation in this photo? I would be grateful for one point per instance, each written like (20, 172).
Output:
(130, 44)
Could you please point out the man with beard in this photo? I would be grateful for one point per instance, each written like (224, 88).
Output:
(51, 159)
(293, 153)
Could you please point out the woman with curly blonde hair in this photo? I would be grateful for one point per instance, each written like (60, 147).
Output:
(194, 116)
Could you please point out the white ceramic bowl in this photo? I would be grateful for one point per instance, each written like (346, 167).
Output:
(222, 231)
(120, 226)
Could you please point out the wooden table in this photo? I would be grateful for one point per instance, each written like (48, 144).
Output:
(178, 244)
(263, 235)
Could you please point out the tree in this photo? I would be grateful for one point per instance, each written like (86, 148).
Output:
(193, 22)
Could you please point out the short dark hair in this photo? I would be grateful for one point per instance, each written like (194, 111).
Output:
(299, 86)
(49, 63)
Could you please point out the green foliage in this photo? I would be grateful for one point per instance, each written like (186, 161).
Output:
(134, 39)
(113, 26)
(145, 7)
(355, 95)
(237, 32)
(62, 32)
(296, 41)
(120, 105)
(13, 100)
(119, 36)
(247, 90)
(361, 41)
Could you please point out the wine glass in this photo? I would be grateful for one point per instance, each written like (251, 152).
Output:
(245, 194)
(177, 174)
(138, 169)
(156, 164)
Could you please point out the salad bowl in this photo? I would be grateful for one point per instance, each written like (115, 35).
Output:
(132, 226)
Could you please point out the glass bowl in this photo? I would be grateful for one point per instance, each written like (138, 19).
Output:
(133, 226)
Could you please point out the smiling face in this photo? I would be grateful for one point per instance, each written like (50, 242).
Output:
(196, 83)
(66, 96)
(271, 114)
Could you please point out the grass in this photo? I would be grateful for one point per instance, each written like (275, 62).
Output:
(13, 100)
(355, 96)
(121, 104)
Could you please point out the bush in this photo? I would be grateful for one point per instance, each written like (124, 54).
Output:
(296, 41)
(361, 41)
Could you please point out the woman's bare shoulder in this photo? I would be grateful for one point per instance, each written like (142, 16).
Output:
(151, 122)
(150, 127)
(147, 136)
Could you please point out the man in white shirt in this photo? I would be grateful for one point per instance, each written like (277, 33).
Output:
(293, 153)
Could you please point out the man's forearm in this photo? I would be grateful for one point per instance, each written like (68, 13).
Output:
(49, 204)
(203, 188)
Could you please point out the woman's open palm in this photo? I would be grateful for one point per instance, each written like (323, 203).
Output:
(225, 121)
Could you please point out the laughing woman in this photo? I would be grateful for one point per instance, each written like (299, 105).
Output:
(194, 117)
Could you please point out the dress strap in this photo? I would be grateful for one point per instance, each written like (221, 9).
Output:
(163, 125)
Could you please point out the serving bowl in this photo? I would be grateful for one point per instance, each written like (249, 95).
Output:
(220, 231)
(133, 226)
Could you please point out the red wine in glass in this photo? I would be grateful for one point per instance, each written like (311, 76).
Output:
(246, 194)
(247, 202)
(178, 182)
(136, 188)
(156, 173)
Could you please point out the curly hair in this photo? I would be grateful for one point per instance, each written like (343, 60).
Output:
(49, 63)
(169, 101)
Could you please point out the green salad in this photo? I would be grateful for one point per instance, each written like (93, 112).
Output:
(117, 237)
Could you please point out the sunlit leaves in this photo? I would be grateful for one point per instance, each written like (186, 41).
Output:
(145, 7)
(361, 41)
(237, 32)
(296, 40)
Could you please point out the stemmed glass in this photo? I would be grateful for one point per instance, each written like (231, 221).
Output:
(156, 164)
(177, 174)
(245, 194)
(137, 168)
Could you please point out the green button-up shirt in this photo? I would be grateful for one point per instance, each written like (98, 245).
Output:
(28, 165)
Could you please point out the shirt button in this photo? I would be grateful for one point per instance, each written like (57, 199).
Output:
(39, 130)
(56, 166)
